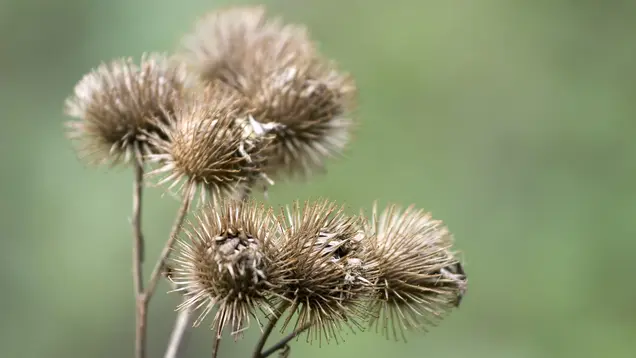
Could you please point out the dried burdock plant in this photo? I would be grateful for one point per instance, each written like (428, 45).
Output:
(228, 261)
(248, 98)
(120, 104)
(325, 278)
(418, 278)
(213, 146)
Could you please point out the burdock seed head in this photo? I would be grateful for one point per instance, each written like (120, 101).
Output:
(278, 67)
(419, 278)
(211, 145)
(225, 42)
(313, 103)
(325, 275)
(120, 104)
(226, 261)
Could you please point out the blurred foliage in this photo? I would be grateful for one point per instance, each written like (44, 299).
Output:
(513, 121)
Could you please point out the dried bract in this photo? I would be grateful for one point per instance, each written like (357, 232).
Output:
(120, 104)
(212, 146)
(226, 261)
(324, 273)
(419, 279)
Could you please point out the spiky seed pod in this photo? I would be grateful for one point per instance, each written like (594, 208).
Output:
(119, 104)
(313, 103)
(324, 273)
(225, 42)
(419, 278)
(211, 146)
(227, 261)
(277, 65)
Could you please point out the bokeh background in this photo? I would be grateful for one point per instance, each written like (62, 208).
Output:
(513, 121)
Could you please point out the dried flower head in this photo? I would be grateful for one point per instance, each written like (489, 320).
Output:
(120, 104)
(313, 103)
(278, 67)
(212, 145)
(324, 272)
(419, 279)
(227, 261)
(225, 43)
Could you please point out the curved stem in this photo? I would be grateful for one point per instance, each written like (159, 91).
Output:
(283, 342)
(269, 328)
(179, 333)
(161, 262)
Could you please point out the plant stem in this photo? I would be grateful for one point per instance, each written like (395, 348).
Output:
(179, 333)
(216, 345)
(161, 261)
(137, 261)
(283, 342)
(269, 328)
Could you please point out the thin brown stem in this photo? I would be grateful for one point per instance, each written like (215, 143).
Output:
(269, 328)
(283, 342)
(216, 344)
(137, 261)
(161, 262)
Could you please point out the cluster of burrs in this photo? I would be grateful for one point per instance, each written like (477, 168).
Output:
(395, 270)
(247, 99)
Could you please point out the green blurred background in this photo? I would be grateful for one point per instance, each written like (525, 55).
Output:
(513, 121)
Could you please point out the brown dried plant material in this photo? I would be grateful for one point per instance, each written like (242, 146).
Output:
(225, 42)
(227, 261)
(120, 104)
(325, 278)
(212, 145)
(419, 278)
(313, 103)
(277, 66)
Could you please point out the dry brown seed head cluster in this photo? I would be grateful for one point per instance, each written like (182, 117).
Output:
(265, 102)
(314, 104)
(230, 44)
(119, 104)
(209, 147)
(395, 271)
(227, 261)
(288, 82)
(324, 273)
(418, 277)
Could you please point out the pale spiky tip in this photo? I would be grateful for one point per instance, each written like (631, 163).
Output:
(210, 146)
(325, 276)
(119, 104)
(419, 278)
(227, 261)
(313, 103)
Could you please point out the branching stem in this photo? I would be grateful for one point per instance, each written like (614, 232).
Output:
(269, 328)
